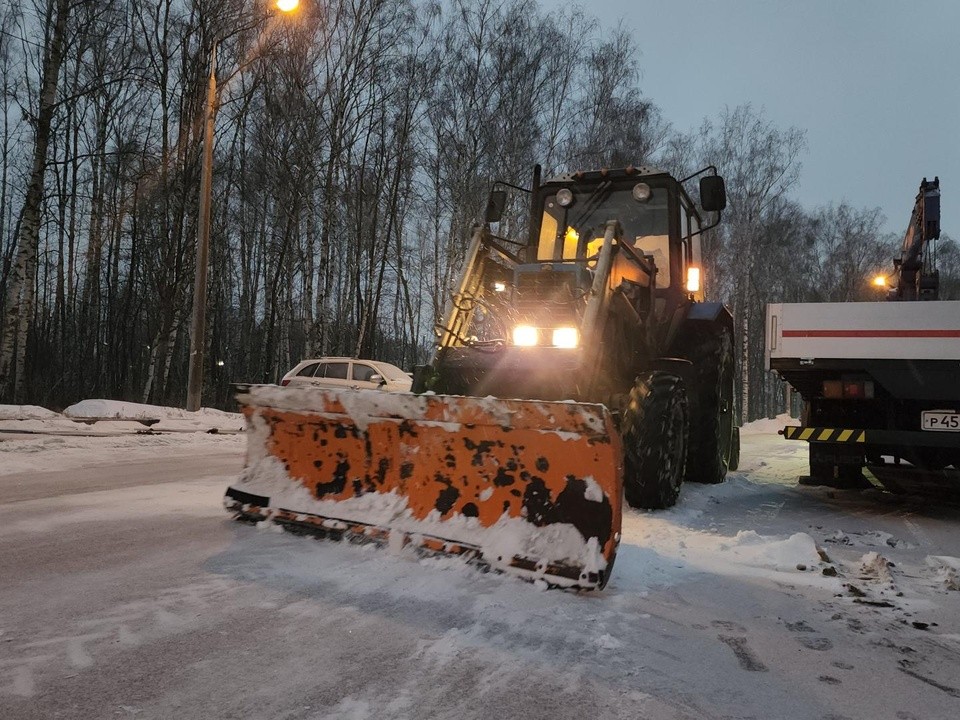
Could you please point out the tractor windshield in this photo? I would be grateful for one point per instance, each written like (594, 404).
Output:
(576, 231)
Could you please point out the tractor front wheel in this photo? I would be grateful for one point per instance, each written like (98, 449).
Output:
(654, 429)
(713, 433)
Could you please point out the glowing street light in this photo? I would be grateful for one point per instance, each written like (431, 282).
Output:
(880, 281)
(198, 321)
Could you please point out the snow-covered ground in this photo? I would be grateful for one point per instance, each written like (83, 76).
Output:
(754, 598)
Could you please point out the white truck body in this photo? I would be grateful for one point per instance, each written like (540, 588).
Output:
(865, 330)
(879, 380)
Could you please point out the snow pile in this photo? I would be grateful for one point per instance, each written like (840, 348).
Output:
(169, 419)
(25, 412)
(49, 451)
(875, 567)
(947, 570)
(31, 422)
(39, 440)
(750, 548)
(768, 426)
(678, 543)
(113, 417)
(870, 538)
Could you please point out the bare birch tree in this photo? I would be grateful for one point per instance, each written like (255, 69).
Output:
(761, 164)
(20, 290)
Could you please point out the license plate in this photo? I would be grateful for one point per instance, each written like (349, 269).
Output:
(940, 421)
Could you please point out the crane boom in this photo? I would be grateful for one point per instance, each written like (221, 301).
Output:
(917, 277)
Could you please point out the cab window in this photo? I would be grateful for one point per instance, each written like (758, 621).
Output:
(548, 230)
(576, 232)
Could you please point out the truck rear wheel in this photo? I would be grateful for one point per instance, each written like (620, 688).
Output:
(710, 349)
(655, 429)
(836, 466)
(734, 463)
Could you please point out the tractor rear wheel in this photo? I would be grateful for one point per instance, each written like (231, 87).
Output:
(654, 430)
(712, 427)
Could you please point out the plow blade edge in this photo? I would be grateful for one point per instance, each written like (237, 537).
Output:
(527, 487)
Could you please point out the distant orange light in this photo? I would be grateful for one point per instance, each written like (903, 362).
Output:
(880, 281)
(287, 5)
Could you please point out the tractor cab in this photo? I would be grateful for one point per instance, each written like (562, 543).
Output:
(657, 219)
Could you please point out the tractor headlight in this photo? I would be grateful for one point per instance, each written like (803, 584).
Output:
(564, 197)
(525, 335)
(693, 279)
(566, 337)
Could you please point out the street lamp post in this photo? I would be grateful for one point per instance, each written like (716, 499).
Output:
(198, 329)
(198, 324)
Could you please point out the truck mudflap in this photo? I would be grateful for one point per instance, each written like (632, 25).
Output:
(526, 487)
(817, 434)
(870, 437)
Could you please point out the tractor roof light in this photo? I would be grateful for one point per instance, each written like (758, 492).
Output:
(642, 192)
(564, 197)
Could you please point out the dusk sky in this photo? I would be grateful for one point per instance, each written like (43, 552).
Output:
(873, 82)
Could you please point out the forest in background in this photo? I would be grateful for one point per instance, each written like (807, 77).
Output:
(356, 144)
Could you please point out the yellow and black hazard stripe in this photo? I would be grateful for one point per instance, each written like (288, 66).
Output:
(832, 435)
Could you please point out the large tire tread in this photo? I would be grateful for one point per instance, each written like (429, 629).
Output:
(654, 429)
(712, 436)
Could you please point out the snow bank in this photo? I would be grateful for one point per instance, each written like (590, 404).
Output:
(25, 412)
(52, 452)
(170, 419)
(129, 410)
(53, 442)
(768, 426)
(947, 570)
(750, 548)
(874, 566)
(668, 547)
(115, 417)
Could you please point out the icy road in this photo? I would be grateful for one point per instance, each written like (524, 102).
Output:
(125, 591)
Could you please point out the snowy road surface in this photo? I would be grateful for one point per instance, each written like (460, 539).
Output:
(126, 592)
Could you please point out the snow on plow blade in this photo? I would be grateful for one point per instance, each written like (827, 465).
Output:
(528, 487)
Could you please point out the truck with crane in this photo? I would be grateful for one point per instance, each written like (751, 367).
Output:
(880, 381)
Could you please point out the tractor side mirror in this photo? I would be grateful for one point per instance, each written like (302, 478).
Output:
(713, 193)
(496, 204)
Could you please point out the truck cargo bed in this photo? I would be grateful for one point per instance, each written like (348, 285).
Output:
(874, 330)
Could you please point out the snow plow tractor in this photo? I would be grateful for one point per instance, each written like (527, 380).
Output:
(576, 367)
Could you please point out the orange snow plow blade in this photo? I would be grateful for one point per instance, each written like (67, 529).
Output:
(527, 487)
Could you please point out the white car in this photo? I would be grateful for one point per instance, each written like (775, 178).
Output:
(342, 372)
